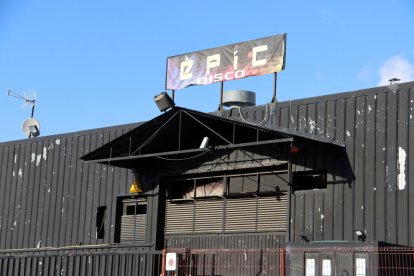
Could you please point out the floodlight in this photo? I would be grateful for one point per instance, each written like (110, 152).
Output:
(164, 101)
(361, 235)
(304, 238)
(204, 143)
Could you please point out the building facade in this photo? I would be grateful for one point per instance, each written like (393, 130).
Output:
(316, 169)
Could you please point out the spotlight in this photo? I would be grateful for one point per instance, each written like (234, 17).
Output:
(164, 101)
(361, 235)
(304, 238)
(204, 143)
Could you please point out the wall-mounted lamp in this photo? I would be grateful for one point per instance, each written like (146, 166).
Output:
(204, 143)
(361, 235)
(294, 149)
(164, 101)
(304, 238)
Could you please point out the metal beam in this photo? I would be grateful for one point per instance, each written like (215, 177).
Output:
(209, 128)
(231, 146)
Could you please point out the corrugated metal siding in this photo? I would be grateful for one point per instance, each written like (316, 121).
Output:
(253, 241)
(78, 261)
(48, 197)
(179, 217)
(230, 215)
(208, 216)
(377, 127)
(133, 227)
(240, 214)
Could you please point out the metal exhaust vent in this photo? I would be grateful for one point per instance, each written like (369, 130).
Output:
(239, 98)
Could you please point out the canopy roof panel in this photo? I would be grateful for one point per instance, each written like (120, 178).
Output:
(179, 132)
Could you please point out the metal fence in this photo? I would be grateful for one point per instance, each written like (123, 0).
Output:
(288, 260)
(347, 261)
(86, 261)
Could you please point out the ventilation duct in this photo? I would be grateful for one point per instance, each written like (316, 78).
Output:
(239, 98)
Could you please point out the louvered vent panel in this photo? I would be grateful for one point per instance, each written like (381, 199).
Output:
(241, 215)
(272, 213)
(209, 216)
(179, 217)
(129, 223)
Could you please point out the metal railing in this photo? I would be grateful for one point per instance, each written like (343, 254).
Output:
(81, 261)
(359, 261)
(284, 261)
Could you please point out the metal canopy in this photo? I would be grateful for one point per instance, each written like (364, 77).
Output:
(178, 133)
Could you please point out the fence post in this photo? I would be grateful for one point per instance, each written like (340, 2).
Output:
(164, 251)
(282, 262)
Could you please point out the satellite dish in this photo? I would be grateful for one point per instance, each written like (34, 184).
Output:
(31, 127)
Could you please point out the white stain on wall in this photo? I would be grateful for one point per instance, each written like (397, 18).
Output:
(312, 125)
(402, 158)
(38, 158)
(44, 153)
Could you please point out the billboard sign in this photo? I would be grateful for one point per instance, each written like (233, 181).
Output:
(251, 58)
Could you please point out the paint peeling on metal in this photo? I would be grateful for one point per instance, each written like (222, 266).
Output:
(57, 142)
(33, 157)
(20, 173)
(402, 158)
(44, 153)
(38, 158)
(348, 133)
(15, 158)
(312, 125)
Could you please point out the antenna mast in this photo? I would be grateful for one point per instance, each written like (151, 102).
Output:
(28, 97)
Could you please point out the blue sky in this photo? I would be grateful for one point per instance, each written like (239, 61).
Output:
(100, 63)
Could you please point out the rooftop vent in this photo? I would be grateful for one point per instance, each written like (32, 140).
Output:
(239, 98)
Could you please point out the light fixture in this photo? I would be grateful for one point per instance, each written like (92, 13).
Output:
(204, 143)
(294, 149)
(304, 238)
(361, 235)
(164, 101)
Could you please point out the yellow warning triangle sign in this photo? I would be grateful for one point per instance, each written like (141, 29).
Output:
(135, 187)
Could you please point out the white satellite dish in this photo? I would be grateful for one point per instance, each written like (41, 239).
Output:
(31, 127)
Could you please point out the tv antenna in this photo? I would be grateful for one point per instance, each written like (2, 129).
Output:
(29, 98)
(30, 126)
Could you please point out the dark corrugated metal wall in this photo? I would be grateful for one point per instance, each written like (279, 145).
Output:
(48, 197)
(377, 127)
